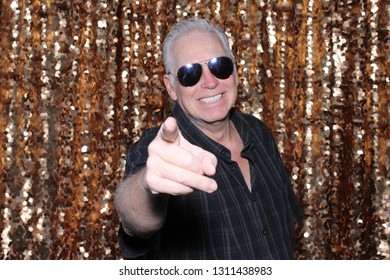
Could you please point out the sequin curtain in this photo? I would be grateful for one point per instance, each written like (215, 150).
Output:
(81, 80)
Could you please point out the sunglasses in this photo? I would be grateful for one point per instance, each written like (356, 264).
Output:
(189, 75)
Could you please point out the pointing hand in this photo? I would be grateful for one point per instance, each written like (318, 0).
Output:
(175, 166)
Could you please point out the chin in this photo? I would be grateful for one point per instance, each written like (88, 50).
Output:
(217, 118)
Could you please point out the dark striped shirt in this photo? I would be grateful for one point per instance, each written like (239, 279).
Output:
(233, 222)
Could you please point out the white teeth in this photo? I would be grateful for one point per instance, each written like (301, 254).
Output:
(212, 99)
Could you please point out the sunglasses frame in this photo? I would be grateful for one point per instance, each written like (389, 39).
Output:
(194, 70)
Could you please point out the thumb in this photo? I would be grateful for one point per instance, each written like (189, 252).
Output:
(169, 131)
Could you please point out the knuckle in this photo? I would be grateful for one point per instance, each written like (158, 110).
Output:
(182, 177)
(151, 180)
(153, 147)
(190, 162)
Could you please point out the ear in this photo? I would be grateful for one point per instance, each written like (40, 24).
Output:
(236, 76)
(170, 88)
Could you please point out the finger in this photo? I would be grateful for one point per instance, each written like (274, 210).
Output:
(160, 185)
(191, 179)
(173, 154)
(209, 164)
(181, 177)
(207, 160)
(169, 130)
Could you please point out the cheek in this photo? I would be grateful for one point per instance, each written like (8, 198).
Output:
(233, 84)
(183, 96)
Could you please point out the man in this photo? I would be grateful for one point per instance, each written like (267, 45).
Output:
(209, 183)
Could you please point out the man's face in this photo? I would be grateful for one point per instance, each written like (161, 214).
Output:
(211, 99)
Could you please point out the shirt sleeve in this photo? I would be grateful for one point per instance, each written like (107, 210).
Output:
(133, 247)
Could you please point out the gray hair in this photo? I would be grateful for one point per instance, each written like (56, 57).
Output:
(184, 27)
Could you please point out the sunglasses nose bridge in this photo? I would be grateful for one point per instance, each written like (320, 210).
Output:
(207, 78)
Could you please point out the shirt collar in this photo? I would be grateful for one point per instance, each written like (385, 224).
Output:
(197, 137)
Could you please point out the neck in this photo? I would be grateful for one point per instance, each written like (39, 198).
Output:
(223, 132)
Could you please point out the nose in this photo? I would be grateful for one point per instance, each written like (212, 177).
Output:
(208, 80)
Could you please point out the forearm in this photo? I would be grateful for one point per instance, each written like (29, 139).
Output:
(141, 212)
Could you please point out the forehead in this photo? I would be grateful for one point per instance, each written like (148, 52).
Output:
(196, 46)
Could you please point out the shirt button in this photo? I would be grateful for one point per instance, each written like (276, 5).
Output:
(265, 232)
(233, 168)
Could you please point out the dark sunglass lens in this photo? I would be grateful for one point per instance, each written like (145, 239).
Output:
(189, 75)
(221, 67)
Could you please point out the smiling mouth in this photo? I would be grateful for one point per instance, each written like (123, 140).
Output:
(211, 99)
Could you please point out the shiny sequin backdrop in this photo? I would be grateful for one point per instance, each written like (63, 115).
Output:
(81, 80)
